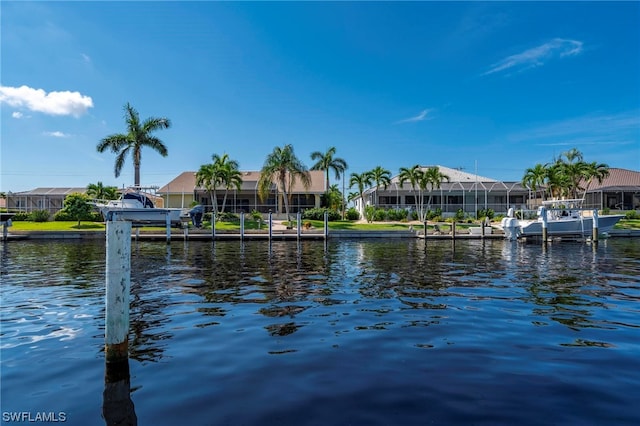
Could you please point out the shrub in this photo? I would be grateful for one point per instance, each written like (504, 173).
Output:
(380, 215)
(39, 215)
(397, 214)
(633, 214)
(22, 216)
(353, 214)
(228, 217)
(369, 213)
(459, 215)
(318, 214)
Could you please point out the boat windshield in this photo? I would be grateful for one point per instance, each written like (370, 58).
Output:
(146, 202)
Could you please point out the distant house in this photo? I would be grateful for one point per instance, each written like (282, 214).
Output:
(463, 190)
(50, 199)
(182, 192)
(619, 191)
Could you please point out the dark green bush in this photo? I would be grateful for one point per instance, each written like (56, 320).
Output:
(39, 215)
(64, 216)
(633, 214)
(380, 215)
(318, 214)
(22, 216)
(353, 214)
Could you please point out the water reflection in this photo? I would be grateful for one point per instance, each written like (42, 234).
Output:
(117, 407)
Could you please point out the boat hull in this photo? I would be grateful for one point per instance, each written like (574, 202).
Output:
(583, 227)
(143, 215)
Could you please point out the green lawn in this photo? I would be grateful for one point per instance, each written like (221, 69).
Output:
(251, 225)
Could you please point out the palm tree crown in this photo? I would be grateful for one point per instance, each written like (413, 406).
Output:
(138, 135)
(284, 168)
(326, 161)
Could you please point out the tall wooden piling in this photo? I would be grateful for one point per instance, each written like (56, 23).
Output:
(270, 226)
(213, 225)
(594, 235)
(299, 224)
(118, 284)
(543, 214)
(241, 226)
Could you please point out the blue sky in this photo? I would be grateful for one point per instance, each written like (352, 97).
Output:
(489, 86)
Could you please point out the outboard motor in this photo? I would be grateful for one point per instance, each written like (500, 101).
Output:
(510, 225)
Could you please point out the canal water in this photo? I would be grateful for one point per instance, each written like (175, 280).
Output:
(391, 332)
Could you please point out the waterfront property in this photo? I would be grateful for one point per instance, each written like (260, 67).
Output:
(462, 190)
(398, 332)
(182, 191)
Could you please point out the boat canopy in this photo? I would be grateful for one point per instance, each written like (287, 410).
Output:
(146, 202)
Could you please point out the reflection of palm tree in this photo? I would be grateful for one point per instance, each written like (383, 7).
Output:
(283, 167)
(138, 135)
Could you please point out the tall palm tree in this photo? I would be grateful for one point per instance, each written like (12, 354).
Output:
(139, 134)
(101, 192)
(415, 176)
(207, 177)
(534, 178)
(283, 167)
(597, 171)
(326, 161)
(380, 177)
(434, 178)
(361, 181)
(229, 173)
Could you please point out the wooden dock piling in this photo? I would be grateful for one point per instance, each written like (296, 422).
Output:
(118, 284)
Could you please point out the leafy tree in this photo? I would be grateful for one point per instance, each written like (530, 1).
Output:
(77, 206)
(283, 167)
(101, 192)
(415, 176)
(139, 134)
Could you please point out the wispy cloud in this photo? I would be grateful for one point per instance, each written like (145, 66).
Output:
(57, 134)
(588, 130)
(17, 114)
(537, 56)
(423, 115)
(52, 103)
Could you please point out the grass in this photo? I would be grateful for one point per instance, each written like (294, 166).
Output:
(632, 224)
(56, 226)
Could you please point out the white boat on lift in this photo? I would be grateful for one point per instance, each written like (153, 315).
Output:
(563, 218)
(136, 205)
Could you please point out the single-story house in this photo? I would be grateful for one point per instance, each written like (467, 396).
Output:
(182, 192)
(462, 190)
(51, 199)
(619, 191)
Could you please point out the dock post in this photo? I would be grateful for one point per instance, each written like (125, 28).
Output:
(241, 226)
(594, 236)
(185, 230)
(543, 213)
(299, 223)
(118, 283)
(168, 223)
(270, 226)
(326, 224)
(5, 231)
(453, 229)
(425, 230)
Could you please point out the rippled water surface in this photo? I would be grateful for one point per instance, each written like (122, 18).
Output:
(344, 332)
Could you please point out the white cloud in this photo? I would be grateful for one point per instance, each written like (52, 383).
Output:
(57, 134)
(537, 56)
(423, 115)
(52, 103)
(17, 114)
